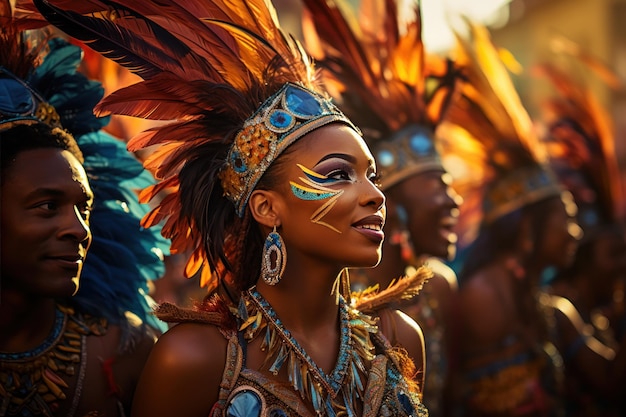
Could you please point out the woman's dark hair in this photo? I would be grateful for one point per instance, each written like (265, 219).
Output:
(233, 245)
(502, 236)
(36, 136)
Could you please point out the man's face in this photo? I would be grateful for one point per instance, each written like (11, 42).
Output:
(46, 201)
(432, 209)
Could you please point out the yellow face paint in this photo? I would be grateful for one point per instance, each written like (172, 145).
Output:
(315, 188)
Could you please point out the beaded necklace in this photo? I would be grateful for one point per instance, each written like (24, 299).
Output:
(331, 394)
(32, 382)
(35, 374)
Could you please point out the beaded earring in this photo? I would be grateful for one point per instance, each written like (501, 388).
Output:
(274, 258)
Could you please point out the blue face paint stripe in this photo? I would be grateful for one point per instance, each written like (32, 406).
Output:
(305, 193)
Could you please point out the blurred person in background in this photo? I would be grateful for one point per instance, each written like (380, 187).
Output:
(514, 341)
(580, 141)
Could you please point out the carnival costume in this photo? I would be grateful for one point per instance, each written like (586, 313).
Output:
(581, 148)
(506, 170)
(580, 140)
(397, 94)
(238, 91)
(39, 83)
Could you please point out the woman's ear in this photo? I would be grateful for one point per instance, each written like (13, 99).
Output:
(265, 207)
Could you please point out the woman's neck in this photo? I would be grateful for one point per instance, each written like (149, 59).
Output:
(303, 297)
(391, 266)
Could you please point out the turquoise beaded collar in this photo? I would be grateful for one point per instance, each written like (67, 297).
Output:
(338, 390)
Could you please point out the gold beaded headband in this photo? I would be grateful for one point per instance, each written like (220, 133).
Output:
(282, 119)
(518, 189)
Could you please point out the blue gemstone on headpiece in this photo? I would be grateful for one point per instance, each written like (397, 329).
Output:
(420, 144)
(302, 103)
(280, 119)
(277, 412)
(244, 404)
(237, 162)
(15, 98)
(386, 158)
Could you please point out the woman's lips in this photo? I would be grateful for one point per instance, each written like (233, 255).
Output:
(373, 234)
(371, 227)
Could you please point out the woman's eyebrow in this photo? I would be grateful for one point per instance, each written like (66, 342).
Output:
(347, 157)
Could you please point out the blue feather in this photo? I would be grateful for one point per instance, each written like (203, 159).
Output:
(123, 256)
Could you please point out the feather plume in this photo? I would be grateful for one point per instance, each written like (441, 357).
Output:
(487, 131)
(16, 54)
(580, 139)
(489, 107)
(403, 288)
(384, 78)
(206, 67)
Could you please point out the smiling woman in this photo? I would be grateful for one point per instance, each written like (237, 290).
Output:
(334, 204)
(274, 191)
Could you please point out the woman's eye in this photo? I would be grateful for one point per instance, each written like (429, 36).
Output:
(375, 179)
(339, 174)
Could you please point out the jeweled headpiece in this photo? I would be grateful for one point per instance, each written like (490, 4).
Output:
(407, 152)
(282, 119)
(517, 189)
(490, 131)
(580, 142)
(384, 81)
(237, 91)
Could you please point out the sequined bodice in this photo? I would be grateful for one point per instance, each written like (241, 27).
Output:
(381, 389)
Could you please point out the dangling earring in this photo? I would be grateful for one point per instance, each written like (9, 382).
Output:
(274, 258)
(401, 236)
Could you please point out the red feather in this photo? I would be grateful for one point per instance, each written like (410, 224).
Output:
(206, 67)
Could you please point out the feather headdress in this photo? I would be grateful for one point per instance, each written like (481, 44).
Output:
(39, 72)
(490, 131)
(238, 90)
(580, 143)
(386, 83)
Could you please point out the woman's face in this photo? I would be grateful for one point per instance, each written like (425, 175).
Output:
(335, 209)
(431, 208)
(561, 232)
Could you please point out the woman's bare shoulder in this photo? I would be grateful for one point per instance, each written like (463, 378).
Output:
(183, 373)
